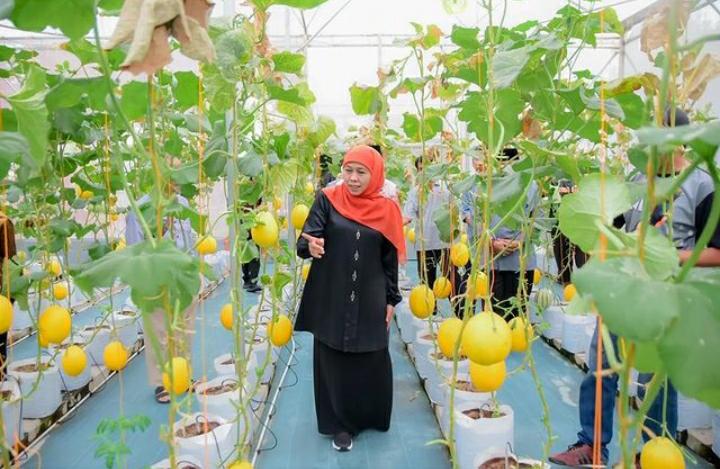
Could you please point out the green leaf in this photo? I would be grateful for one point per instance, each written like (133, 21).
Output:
(14, 147)
(610, 105)
(250, 164)
(467, 38)
(151, 272)
(508, 105)
(594, 203)
(693, 338)
(660, 256)
(703, 138)
(365, 100)
(323, 129)
(32, 114)
(288, 62)
(431, 127)
(301, 115)
(234, 50)
(74, 18)
(134, 100)
(444, 218)
(507, 65)
(186, 90)
(631, 303)
(290, 95)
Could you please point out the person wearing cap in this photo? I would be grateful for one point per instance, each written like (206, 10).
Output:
(690, 214)
(505, 246)
(355, 237)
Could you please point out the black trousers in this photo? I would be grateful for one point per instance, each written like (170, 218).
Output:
(3, 354)
(353, 391)
(429, 263)
(566, 253)
(505, 285)
(251, 270)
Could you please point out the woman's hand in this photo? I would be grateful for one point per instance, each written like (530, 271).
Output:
(315, 245)
(389, 311)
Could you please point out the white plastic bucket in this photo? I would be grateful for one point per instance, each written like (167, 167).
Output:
(72, 383)
(225, 403)
(574, 332)
(11, 412)
(125, 323)
(693, 414)
(96, 338)
(440, 373)
(554, 317)
(47, 397)
(716, 432)
(484, 437)
(421, 347)
(211, 447)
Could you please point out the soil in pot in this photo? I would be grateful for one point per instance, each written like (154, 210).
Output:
(32, 368)
(462, 385)
(429, 337)
(476, 414)
(221, 389)
(5, 395)
(196, 429)
(92, 328)
(127, 313)
(502, 463)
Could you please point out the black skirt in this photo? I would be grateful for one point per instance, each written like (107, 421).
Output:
(353, 391)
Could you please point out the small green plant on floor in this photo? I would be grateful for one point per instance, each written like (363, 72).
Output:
(110, 435)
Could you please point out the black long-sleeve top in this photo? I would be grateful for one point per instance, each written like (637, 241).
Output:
(348, 289)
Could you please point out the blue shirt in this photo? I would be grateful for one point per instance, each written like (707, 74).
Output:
(185, 236)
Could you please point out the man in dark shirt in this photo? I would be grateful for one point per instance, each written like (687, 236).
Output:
(691, 209)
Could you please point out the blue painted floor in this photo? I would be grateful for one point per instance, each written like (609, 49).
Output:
(299, 445)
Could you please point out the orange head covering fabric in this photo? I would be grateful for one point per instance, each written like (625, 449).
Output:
(370, 208)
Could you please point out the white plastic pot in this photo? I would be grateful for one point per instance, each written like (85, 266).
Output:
(46, 399)
(462, 400)
(693, 414)
(421, 347)
(482, 438)
(225, 367)
(71, 383)
(96, 338)
(183, 461)
(439, 373)
(554, 318)
(21, 319)
(11, 412)
(125, 323)
(211, 447)
(225, 404)
(488, 456)
(574, 332)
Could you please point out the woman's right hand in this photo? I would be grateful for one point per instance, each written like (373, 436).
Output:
(315, 245)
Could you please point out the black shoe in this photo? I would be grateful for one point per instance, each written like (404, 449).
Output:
(252, 287)
(342, 442)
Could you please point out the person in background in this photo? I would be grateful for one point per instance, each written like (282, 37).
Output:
(355, 238)
(434, 258)
(185, 238)
(326, 176)
(7, 252)
(567, 255)
(467, 206)
(691, 211)
(250, 272)
(505, 276)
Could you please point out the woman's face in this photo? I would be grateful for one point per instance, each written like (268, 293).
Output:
(357, 177)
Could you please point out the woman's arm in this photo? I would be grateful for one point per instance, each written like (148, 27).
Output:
(390, 267)
(315, 224)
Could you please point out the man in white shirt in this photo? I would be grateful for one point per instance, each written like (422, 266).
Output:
(185, 239)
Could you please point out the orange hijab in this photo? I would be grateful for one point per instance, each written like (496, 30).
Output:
(370, 208)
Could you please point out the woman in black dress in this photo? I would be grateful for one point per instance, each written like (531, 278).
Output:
(355, 236)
